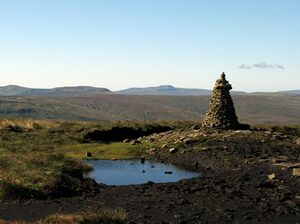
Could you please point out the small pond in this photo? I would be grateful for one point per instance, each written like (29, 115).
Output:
(127, 172)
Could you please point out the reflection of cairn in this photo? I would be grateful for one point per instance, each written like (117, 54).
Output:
(221, 112)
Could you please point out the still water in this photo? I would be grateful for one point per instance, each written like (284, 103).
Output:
(126, 172)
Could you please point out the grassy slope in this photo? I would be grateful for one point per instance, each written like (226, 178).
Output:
(34, 155)
(269, 109)
(14, 90)
(281, 109)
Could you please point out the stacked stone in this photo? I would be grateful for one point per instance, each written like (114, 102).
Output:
(221, 113)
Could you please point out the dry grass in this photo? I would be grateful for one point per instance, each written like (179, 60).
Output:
(27, 123)
(103, 216)
(30, 174)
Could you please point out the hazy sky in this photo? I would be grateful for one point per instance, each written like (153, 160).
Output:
(124, 43)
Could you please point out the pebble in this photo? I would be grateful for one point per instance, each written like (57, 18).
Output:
(272, 176)
(172, 150)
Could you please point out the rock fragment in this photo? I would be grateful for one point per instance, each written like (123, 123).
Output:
(272, 176)
(296, 172)
(134, 142)
(172, 150)
(151, 151)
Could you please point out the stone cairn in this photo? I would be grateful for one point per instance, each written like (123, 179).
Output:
(221, 113)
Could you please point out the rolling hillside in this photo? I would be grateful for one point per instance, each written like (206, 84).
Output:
(13, 90)
(163, 90)
(283, 109)
(291, 92)
(168, 90)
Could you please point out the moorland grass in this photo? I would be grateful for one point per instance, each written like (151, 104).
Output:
(30, 174)
(102, 216)
(34, 155)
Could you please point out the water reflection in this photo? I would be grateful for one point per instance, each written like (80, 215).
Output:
(126, 172)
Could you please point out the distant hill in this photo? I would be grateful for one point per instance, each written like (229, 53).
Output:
(14, 90)
(267, 109)
(290, 92)
(163, 90)
(168, 90)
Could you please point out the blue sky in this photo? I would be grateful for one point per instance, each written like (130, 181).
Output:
(124, 43)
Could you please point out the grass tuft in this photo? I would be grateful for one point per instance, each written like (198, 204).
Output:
(103, 216)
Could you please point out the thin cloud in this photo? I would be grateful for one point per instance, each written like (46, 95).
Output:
(262, 65)
(279, 67)
(244, 66)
